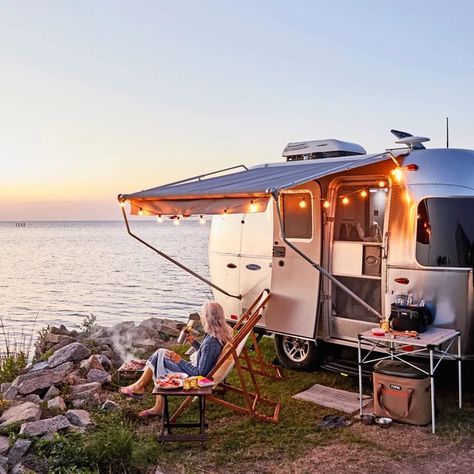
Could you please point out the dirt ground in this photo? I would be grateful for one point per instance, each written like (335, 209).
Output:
(399, 449)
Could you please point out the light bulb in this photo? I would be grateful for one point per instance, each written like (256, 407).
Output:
(159, 219)
(122, 203)
(397, 174)
(140, 212)
(345, 201)
(202, 221)
(363, 193)
(302, 203)
(381, 184)
(252, 207)
(176, 221)
(326, 205)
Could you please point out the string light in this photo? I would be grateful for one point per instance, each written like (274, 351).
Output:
(303, 203)
(326, 204)
(140, 212)
(381, 184)
(397, 174)
(159, 219)
(345, 200)
(363, 193)
(252, 207)
(122, 203)
(202, 221)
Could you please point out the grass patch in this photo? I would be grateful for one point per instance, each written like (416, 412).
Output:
(123, 443)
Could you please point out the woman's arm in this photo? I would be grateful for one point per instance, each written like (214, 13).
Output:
(208, 355)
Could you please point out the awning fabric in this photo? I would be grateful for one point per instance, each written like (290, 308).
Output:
(234, 192)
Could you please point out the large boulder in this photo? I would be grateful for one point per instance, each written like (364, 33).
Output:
(105, 361)
(18, 450)
(11, 392)
(146, 344)
(153, 323)
(41, 379)
(32, 397)
(92, 362)
(21, 413)
(59, 338)
(50, 425)
(4, 445)
(52, 392)
(122, 327)
(57, 405)
(40, 366)
(79, 418)
(85, 390)
(71, 353)
(110, 405)
(96, 375)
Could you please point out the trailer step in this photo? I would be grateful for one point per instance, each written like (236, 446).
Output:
(347, 368)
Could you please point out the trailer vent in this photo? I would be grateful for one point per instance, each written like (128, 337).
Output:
(318, 149)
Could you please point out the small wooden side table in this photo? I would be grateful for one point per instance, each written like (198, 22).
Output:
(166, 426)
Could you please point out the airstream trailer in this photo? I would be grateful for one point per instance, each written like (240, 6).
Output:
(337, 235)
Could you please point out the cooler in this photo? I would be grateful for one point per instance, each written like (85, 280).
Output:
(402, 392)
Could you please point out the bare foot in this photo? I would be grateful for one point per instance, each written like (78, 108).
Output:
(150, 412)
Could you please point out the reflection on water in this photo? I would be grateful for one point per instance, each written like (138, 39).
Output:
(64, 271)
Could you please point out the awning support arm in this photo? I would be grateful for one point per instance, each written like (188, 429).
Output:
(320, 269)
(175, 262)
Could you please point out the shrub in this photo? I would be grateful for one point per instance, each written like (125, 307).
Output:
(107, 449)
(11, 365)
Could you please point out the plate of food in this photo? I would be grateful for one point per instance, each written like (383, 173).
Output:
(170, 381)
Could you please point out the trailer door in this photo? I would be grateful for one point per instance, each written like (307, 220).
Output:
(293, 307)
(356, 258)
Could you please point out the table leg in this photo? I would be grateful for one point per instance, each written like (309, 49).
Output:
(433, 422)
(459, 372)
(165, 419)
(359, 356)
(202, 417)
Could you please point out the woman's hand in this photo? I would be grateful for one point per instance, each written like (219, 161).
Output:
(173, 356)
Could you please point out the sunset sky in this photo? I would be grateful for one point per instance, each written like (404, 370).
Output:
(105, 97)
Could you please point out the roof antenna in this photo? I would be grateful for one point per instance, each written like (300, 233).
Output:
(447, 132)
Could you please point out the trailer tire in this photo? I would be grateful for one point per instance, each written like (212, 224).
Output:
(296, 353)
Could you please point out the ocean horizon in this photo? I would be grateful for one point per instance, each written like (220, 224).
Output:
(62, 271)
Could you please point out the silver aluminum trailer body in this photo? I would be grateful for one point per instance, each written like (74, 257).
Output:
(247, 253)
(335, 240)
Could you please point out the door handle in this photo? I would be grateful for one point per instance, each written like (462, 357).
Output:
(385, 246)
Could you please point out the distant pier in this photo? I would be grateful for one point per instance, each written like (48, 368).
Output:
(20, 224)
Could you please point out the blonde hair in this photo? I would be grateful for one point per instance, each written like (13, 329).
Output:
(213, 322)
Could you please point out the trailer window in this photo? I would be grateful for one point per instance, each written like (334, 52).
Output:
(445, 232)
(297, 215)
(360, 213)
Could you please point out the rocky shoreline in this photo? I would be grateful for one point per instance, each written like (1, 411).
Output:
(73, 372)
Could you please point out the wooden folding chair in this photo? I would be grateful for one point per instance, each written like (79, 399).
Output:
(230, 357)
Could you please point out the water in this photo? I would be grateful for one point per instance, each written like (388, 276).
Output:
(61, 272)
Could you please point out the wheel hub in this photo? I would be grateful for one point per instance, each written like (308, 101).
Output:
(295, 349)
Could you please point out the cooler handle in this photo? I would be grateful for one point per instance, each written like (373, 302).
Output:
(407, 394)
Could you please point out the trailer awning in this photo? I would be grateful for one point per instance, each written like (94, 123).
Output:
(235, 192)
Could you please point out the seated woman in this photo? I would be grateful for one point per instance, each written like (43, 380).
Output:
(163, 361)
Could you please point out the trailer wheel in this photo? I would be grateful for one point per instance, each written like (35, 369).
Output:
(296, 353)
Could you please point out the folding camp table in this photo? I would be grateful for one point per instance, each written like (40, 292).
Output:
(435, 342)
(167, 425)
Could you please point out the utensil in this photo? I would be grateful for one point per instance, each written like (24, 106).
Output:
(384, 422)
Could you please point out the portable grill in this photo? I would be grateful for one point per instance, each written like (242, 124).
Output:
(126, 372)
